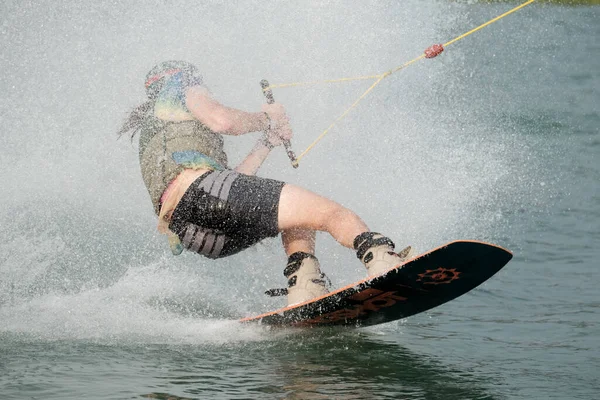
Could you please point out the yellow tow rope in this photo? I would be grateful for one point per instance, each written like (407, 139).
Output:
(378, 78)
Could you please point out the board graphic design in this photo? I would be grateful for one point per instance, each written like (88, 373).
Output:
(424, 282)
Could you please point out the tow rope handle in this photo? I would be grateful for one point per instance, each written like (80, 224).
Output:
(264, 84)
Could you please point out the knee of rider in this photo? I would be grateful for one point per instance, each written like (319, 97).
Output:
(341, 214)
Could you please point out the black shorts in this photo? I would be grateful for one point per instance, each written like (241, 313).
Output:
(225, 212)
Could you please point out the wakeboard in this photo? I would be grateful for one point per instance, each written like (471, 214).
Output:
(422, 283)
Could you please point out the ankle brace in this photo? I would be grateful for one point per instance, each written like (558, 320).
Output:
(366, 240)
(295, 261)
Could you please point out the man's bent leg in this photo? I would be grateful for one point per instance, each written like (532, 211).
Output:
(295, 240)
(302, 209)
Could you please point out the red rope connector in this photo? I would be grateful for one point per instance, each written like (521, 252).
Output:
(433, 51)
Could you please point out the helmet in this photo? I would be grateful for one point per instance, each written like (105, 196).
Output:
(155, 79)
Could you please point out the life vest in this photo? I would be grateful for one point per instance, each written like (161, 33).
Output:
(167, 148)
